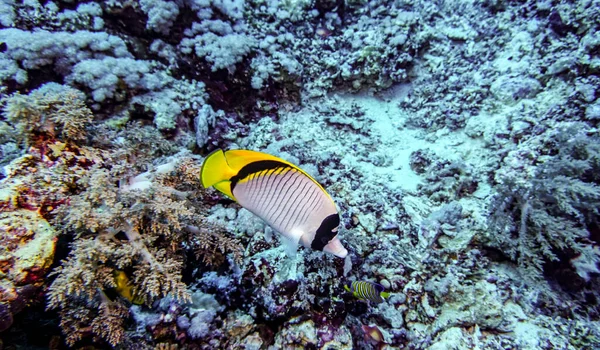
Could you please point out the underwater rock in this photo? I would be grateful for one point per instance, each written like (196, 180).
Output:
(240, 331)
(512, 89)
(302, 334)
(28, 241)
(592, 112)
(421, 159)
(453, 338)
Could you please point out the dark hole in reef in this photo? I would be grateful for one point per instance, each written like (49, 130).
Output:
(61, 250)
(63, 5)
(35, 79)
(495, 254)
(35, 327)
(125, 20)
(184, 20)
(562, 271)
(594, 230)
(138, 112)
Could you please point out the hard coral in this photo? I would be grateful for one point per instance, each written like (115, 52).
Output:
(120, 219)
(27, 242)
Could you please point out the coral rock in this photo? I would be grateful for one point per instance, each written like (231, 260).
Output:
(28, 243)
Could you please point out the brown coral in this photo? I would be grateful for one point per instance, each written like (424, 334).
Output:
(139, 226)
(61, 114)
(123, 213)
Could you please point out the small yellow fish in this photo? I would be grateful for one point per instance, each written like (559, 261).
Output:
(124, 287)
(365, 290)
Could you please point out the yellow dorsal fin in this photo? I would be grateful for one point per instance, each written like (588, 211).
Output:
(239, 158)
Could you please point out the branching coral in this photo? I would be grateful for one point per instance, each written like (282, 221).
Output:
(121, 217)
(546, 205)
(54, 110)
(140, 226)
(212, 245)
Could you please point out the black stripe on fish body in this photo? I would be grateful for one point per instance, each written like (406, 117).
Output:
(376, 297)
(366, 291)
(255, 183)
(294, 203)
(266, 208)
(277, 185)
(280, 187)
(251, 186)
(266, 184)
(255, 167)
(325, 232)
(283, 199)
(369, 290)
(267, 190)
(358, 288)
(307, 204)
(307, 194)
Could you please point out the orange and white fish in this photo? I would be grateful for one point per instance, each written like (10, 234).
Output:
(280, 193)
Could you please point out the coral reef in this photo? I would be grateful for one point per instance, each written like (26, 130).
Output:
(458, 139)
(546, 204)
(28, 243)
(116, 218)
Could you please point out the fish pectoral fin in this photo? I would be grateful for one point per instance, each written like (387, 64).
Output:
(290, 245)
(294, 236)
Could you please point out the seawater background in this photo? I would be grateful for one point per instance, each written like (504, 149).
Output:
(458, 138)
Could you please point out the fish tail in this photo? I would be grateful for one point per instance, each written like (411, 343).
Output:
(347, 288)
(215, 169)
(216, 172)
(384, 294)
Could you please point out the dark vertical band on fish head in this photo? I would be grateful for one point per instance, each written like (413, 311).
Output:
(256, 167)
(326, 232)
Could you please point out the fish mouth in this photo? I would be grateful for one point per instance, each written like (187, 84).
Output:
(336, 248)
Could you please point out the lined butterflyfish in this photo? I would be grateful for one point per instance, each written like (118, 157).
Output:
(283, 195)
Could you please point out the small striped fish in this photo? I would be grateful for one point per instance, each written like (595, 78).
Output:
(367, 291)
(280, 193)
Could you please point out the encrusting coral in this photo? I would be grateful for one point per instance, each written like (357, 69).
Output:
(121, 218)
(27, 244)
